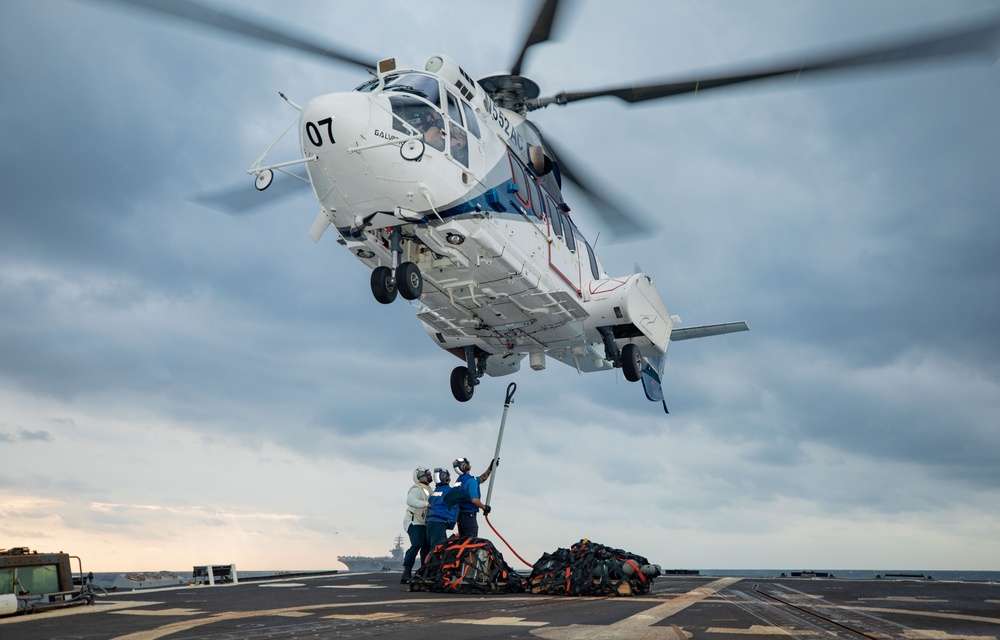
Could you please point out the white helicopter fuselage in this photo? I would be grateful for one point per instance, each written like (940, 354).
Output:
(424, 162)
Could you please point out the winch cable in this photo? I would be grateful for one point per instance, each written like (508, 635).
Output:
(508, 400)
(526, 563)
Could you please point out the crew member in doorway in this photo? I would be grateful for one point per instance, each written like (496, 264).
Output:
(414, 521)
(442, 509)
(469, 508)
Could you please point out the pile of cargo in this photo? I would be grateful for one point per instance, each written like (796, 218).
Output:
(465, 564)
(591, 569)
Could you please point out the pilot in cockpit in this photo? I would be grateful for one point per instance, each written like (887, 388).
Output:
(434, 132)
(430, 123)
(459, 145)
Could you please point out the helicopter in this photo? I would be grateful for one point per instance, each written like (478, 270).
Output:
(450, 195)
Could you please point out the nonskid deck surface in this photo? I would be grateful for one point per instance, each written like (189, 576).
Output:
(376, 605)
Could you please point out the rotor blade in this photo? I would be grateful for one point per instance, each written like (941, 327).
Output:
(187, 10)
(981, 39)
(621, 223)
(540, 32)
(244, 199)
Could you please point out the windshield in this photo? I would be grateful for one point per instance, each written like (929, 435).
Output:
(418, 84)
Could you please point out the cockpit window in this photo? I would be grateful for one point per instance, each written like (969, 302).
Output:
(418, 84)
(420, 116)
(470, 119)
(367, 87)
(459, 144)
(453, 110)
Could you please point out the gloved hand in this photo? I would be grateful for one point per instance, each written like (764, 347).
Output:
(487, 509)
(495, 462)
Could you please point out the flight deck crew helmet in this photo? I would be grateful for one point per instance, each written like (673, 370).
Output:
(462, 465)
(422, 475)
(443, 476)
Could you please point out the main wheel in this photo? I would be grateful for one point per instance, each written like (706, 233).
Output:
(383, 285)
(631, 362)
(461, 385)
(409, 281)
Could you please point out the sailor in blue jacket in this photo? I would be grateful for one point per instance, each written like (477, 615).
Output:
(470, 506)
(442, 509)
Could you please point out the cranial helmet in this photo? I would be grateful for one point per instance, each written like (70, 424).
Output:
(443, 476)
(462, 465)
(422, 474)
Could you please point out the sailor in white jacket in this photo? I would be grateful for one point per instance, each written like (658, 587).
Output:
(414, 521)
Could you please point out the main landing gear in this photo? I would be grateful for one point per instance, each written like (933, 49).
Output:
(627, 358)
(404, 279)
(464, 379)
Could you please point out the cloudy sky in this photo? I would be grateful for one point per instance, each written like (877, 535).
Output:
(180, 386)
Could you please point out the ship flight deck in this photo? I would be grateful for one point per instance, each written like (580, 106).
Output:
(356, 605)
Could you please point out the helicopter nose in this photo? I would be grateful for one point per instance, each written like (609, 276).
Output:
(333, 122)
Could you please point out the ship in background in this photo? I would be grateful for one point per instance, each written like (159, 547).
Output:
(392, 562)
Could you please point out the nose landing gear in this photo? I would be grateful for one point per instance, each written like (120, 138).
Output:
(384, 285)
(409, 280)
(405, 279)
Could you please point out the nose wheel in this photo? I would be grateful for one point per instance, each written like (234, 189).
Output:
(406, 281)
(384, 285)
(409, 281)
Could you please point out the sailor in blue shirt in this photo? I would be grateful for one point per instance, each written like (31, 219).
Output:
(469, 508)
(442, 509)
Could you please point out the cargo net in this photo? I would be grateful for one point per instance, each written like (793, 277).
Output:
(466, 564)
(591, 569)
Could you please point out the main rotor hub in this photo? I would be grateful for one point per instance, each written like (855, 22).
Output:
(510, 91)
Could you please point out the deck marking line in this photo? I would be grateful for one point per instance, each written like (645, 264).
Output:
(902, 599)
(497, 621)
(351, 586)
(912, 612)
(112, 606)
(640, 625)
(187, 625)
(378, 615)
(918, 634)
(759, 630)
(280, 585)
(159, 612)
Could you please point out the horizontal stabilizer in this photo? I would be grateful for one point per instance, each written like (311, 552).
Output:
(706, 330)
